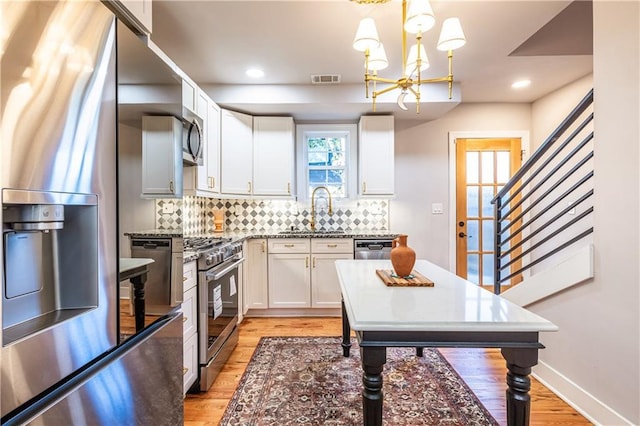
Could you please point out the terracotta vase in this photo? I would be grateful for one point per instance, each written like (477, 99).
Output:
(403, 257)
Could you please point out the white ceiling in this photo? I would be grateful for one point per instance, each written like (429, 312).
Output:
(214, 42)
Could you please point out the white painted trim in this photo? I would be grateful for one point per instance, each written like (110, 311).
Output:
(576, 268)
(596, 411)
(524, 144)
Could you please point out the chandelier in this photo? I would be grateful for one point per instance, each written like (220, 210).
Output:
(417, 18)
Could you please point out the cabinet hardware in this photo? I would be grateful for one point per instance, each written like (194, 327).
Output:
(289, 188)
(288, 245)
(314, 262)
(264, 246)
(249, 190)
(306, 262)
(213, 182)
(185, 370)
(171, 185)
(185, 319)
(184, 279)
(364, 187)
(332, 245)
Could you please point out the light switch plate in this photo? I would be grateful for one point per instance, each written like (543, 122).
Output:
(436, 208)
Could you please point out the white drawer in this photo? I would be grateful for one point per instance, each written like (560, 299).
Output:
(189, 362)
(189, 312)
(331, 245)
(289, 245)
(189, 276)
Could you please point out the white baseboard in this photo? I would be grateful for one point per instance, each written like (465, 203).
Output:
(586, 404)
(575, 269)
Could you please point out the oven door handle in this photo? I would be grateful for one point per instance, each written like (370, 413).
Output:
(220, 274)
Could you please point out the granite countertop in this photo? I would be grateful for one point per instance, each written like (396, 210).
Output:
(246, 235)
(156, 233)
(189, 256)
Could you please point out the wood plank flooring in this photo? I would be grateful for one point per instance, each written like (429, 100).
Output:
(482, 369)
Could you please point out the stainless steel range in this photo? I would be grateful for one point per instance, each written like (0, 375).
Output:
(218, 266)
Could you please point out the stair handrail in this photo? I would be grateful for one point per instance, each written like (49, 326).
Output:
(508, 188)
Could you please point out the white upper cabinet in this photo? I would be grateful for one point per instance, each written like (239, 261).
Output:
(136, 13)
(161, 157)
(210, 180)
(376, 156)
(236, 139)
(273, 156)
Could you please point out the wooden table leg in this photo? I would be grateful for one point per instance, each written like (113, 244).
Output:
(373, 360)
(346, 333)
(519, 363)
(138, 300)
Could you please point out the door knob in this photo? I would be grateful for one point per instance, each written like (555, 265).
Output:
(462, 235)
(461, 224)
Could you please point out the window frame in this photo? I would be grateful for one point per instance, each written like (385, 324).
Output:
(350, 131)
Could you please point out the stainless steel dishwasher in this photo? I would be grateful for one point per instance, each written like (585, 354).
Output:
(157, 289)
(379, 248)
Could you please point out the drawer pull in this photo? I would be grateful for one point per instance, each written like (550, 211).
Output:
(314, 262)
(306, 262)
(185, 370)
(332, 245)
(289, 245)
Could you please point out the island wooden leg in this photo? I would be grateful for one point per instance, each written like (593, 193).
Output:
(138, 300)
(346, 333)
(373, 360)
(519, 363)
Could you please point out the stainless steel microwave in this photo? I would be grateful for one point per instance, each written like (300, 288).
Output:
(192, 149)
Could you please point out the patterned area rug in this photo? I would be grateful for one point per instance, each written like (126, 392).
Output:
(307, 381)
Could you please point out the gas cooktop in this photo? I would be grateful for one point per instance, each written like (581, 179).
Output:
(204, 243)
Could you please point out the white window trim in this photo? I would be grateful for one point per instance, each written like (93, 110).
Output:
(351, 151)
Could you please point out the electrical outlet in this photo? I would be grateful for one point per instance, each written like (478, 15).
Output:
(167, 208)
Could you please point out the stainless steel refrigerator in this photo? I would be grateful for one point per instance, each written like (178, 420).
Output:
(60, 361)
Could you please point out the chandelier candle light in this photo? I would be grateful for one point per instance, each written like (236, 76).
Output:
(416, 19)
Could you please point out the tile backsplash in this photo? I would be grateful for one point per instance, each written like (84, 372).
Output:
(194, 215)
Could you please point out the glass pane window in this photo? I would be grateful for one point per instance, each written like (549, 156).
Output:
(326, 158)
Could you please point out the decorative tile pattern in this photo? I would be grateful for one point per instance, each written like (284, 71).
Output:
(195, 215)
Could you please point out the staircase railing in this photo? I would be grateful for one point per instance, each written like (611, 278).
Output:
(535, 212)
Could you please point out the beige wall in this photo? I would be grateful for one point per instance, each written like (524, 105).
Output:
(422, 171)
(598, 345)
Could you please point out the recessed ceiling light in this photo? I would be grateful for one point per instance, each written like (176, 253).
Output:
(520, 84)
(255, 73)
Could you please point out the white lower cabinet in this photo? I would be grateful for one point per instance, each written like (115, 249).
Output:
(302, 272)
(256, 294)
(190, 326)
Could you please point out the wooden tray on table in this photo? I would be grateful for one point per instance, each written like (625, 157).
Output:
(416, 279)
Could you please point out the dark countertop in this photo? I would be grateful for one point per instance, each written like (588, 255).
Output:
(190, 256)
(156, 233)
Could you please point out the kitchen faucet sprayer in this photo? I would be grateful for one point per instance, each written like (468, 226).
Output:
(313, 205)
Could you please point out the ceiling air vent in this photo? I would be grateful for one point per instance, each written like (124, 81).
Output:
(325, 79)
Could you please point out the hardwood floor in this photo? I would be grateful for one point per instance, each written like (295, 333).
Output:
(482, 369)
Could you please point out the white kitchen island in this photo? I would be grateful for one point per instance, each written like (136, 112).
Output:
(452, 313)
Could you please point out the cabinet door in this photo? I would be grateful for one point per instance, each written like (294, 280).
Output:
(256, 289)
(161, 156)
(189, 96)
(189, 362)
(375, 155)
(212, 158)
(273, 159)
(236, 152)
(325, 287)
(289, 281)
(138, 13)
(189, 312)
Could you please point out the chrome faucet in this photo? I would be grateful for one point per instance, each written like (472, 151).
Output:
(313, 205)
